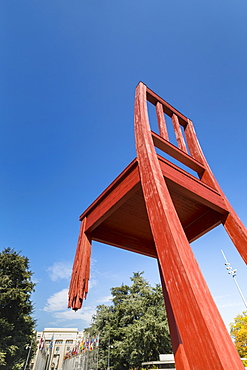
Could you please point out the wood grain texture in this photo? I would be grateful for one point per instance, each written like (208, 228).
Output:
(231, 222)
(177, 154)
(168, 109)
(113, 196)
(161, 121)
(81, 270)
(178, 133)
(192, 186)
(177, 344)
(204, 336)
(155, 208)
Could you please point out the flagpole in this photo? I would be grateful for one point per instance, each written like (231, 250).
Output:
(108, 368)
(28, 354)
(97, 351)
(233, 273)
(50, 348)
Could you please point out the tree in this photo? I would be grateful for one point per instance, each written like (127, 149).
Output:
(135, 325)
(238, 331)
(16, 322)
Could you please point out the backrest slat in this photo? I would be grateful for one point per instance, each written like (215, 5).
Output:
(161, 121)
(186, 145)
(178, 133)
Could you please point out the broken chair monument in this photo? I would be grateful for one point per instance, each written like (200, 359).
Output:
(157, 207)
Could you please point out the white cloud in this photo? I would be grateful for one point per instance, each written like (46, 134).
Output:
(222, 296)
(105, 299)
(92, 283)
(57, 302)
(63, 270)
(85, 314)
(236, 304)
(60, 270)
(57, 306)
(35, 280)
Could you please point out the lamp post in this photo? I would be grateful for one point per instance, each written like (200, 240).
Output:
(29, 347)
(233, 273)
(49, 353)
(108, 367)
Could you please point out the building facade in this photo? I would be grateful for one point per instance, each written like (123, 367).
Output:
(52, 345)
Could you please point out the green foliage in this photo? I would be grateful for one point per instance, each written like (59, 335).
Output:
(239, 334)
(135, 325)
(16, 322)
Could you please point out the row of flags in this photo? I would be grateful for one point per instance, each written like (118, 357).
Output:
(86, 344)
(42, 346)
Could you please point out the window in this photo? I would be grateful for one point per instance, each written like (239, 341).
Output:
(69, 341)
(59, 342)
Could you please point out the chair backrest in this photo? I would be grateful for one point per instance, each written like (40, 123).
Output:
(187, 149)
(181, 209)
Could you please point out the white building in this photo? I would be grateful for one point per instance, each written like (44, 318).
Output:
(166, 361)
(52, 345)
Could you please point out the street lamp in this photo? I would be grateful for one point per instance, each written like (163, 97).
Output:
(233, 273)
(28, 346)
(108, 367)
(109, 351)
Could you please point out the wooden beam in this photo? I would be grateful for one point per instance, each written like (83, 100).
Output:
(177, 153)
(161, 121)
(81, 270)
(200, 226)
(177, 344)
(192, 187)
(231, 222)
(125, 185)
(153, 98)
(178, 133)
(203, 333)
(108, 236)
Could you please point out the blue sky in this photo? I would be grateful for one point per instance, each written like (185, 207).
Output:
(68, 72)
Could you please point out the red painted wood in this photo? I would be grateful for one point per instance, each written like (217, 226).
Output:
(177, 345)
(153, 98)
(191, 186)
(206, 341)
(155, 208)
(233, 225)
(161, 121)
(113, 197)
(177, 153)
(81, 270)
(178, 133)
(200, 226)
(108, 236)
(236, 231)
(197, 153)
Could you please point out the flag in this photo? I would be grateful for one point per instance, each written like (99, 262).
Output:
(87, 344)
(82, 345)
(51, 342)
(97, 341)
(41, 344)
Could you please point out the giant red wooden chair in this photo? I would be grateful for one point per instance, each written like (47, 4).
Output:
(156, 208)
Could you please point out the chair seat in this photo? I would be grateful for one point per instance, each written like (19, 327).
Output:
(118, 216)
